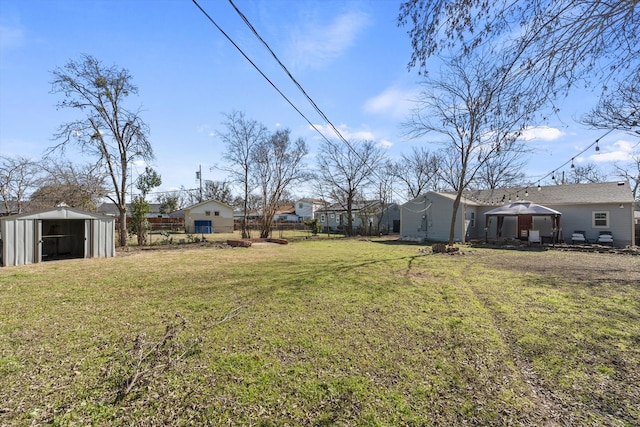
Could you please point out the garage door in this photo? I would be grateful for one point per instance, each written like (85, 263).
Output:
(203, 226)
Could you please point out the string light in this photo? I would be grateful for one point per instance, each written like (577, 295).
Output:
(597, 146)
(572, 166)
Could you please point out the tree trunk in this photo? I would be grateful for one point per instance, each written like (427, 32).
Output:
(123, 226)
(454, 217)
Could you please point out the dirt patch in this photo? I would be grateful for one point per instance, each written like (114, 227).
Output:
(593, 268)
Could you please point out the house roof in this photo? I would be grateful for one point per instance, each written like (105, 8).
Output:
(109, 208)
(356, 206)
(286, 210)
(599, 192)
(207, 202)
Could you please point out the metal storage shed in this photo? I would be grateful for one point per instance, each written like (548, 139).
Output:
(59, 233)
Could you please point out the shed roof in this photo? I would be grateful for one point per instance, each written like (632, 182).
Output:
(62, 212)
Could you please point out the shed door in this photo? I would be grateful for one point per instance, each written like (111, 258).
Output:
(37, 241)
(524, 225)
(89, 238)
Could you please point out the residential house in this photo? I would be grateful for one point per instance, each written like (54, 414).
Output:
(593, 208)
(307, 207)
(365, 215)
(286, 214)
(208, 217)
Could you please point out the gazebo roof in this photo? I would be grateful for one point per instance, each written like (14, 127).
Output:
(522, 208)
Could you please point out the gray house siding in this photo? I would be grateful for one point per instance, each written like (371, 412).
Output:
(428, 217)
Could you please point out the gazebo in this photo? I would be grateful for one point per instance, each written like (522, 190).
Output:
(524, 209)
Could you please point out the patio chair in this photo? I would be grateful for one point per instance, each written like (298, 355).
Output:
(534, 236)
(577, 238)
(605, 238)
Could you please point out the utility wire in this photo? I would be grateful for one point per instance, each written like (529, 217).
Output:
(320, 112)
(258, 69)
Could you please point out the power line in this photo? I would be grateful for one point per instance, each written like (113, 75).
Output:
(297, 84)
(258, 69)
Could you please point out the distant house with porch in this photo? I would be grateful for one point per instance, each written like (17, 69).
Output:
(593, 208)
(208, 217)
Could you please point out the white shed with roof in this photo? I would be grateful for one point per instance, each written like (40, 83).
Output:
(59, 233)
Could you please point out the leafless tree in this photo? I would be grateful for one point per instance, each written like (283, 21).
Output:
(18, 177)
(504, 170)
(555, 42)
(77, 186)
(630, 171)
(347, 170)
(278, 163)
(418, 171)
(218, 190)
(580, 174)
(241, 138)
(478, 114)
(618, 109)
(110, 132)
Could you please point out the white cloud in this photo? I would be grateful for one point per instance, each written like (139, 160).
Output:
(544, 133)
(393, 101)
(619, 151)
(353, 135)
(320, 45)
(11, 37)
(385, 143)
(348, 134)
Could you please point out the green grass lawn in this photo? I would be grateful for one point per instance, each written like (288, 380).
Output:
(319, 332)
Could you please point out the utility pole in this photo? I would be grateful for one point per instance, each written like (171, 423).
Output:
(199, 176)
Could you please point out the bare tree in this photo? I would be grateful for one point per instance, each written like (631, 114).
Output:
(478, 113)
(77, 186)
(218, 190)
(241, 138)
(113, 134)
(418, 171)
(631, 172)
(555, 42)
(618, 109)
(278, 164)
(580, 174)
(18, 177)
(347, 171)
(503, 170)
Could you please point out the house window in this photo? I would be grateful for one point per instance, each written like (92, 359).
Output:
(216, 213)
(600, 219)
(300, 205)
(472, 222)
(207, 213)
(322, 218)
(331, 216)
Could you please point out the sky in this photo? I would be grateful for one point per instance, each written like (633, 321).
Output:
(349, 56)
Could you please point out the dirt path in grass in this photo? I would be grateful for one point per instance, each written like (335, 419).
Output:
(593, 269)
